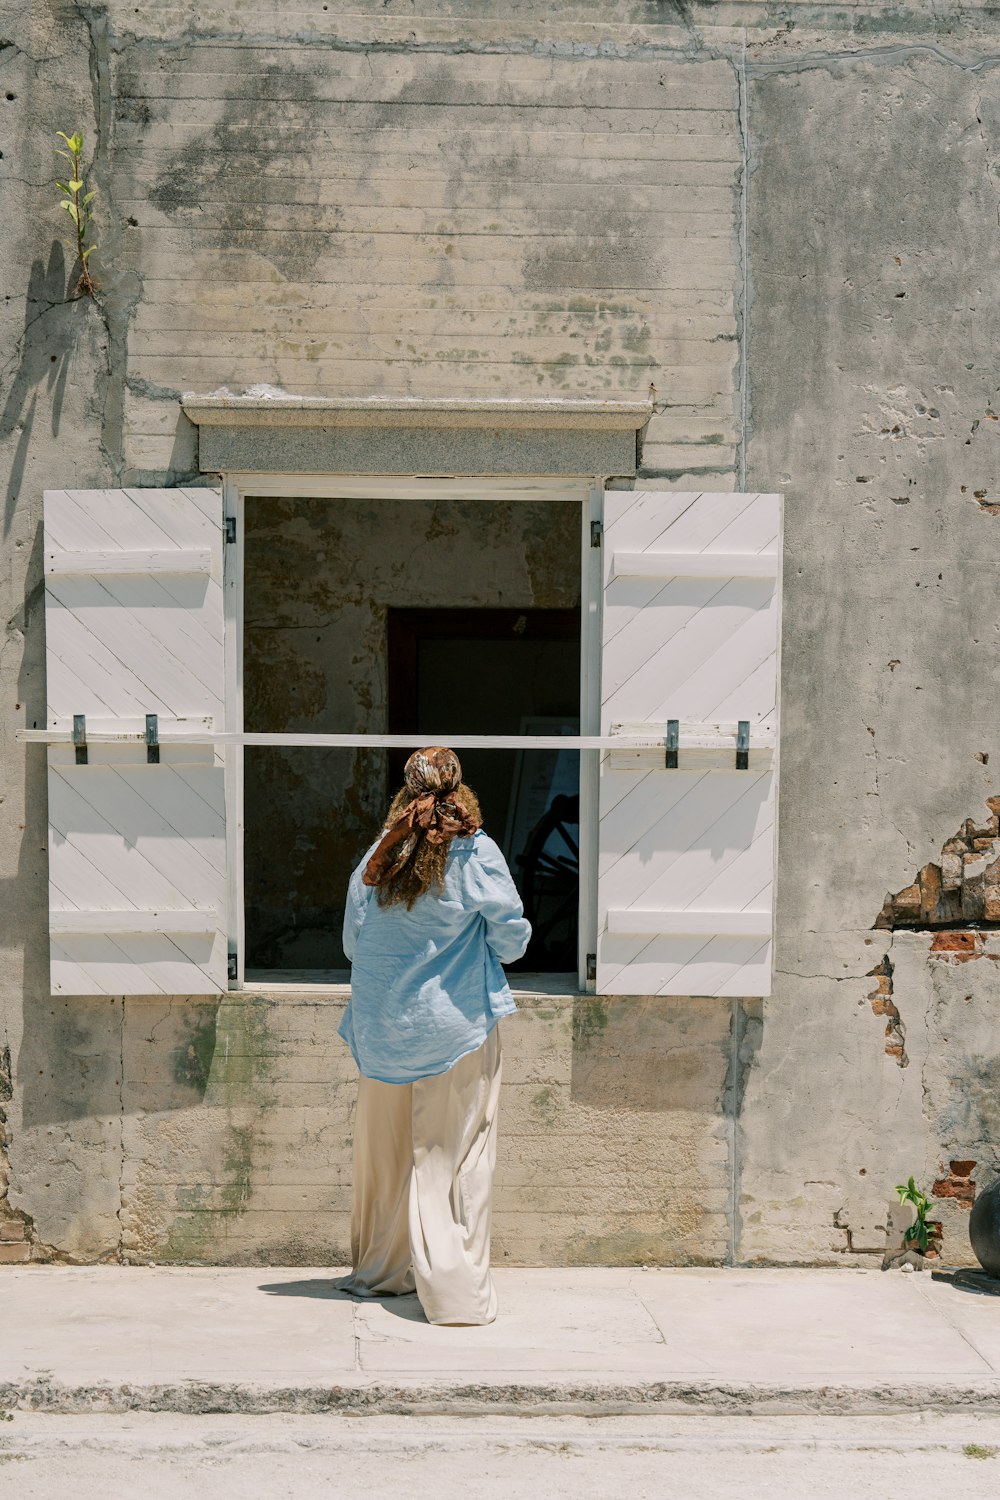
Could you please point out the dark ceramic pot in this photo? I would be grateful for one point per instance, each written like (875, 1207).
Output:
(984, 1229)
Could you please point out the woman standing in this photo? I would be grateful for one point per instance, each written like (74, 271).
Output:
(431, 913)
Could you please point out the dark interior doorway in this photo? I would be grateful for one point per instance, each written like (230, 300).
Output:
(504, 672)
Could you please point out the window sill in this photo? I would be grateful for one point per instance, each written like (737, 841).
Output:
(334, 984)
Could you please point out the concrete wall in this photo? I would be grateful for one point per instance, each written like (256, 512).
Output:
(227, 1131)
(788, 224)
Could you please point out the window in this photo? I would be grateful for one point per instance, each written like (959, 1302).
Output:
(149, 757)
(376, 615)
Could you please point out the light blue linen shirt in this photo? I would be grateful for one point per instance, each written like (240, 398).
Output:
(426, 985)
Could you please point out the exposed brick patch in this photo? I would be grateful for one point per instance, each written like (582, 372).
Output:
(964, 887)
(957, 947)
(957, 1183)
(883, 1005)
(933, 1251)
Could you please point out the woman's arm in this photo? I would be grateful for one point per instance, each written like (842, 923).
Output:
(356, 908)
(490, 890)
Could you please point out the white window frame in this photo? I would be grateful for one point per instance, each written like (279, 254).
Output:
(587, 492)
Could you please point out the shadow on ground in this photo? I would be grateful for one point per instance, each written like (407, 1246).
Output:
(406, 1306)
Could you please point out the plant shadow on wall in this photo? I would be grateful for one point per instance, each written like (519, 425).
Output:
(41, 359)
(67, 1061)
(52, 322)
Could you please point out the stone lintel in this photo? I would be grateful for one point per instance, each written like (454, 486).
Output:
(408, 435)
(414, 411)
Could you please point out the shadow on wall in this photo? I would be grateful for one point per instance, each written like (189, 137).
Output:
(68, 1061)
(660, 1055)
(43, 354)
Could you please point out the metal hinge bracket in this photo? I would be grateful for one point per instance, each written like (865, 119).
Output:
(596, 533)
(230, 528)
(743, 745)
(80, 738)
(591, 966)
(232, 972)
(673, 743)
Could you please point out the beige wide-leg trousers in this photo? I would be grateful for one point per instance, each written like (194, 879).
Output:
(424, 1155)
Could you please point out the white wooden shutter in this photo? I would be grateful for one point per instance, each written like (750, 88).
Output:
(134, 626)
(691, 634)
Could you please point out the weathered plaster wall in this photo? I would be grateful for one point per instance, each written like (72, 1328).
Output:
(452, 219)
(239, 1118)
(872, 223)
(515, 199)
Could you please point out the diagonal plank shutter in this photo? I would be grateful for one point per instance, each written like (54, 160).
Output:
(134, 626)
(690, 639)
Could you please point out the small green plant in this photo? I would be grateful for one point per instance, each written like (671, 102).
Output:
(921, 1231)
(978, 1450)
(76, 202)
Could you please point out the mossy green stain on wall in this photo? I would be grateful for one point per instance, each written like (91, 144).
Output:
(192, 1060)
(241, 1065)
(227, 1057)
(545, 1105)
(590, 1020)
(239, 1161)
(635, 337)
(199, 1230)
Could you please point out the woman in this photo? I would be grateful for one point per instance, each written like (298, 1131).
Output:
(431, 914)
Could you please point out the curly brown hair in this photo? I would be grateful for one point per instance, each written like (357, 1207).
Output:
(421, 864)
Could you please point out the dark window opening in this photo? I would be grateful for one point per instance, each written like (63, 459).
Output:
(503, 671)
(426, 617)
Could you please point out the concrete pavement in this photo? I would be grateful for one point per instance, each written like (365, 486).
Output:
(164, 1456)
(585, 1340)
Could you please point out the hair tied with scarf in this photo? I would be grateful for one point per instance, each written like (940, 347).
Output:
(431, 776)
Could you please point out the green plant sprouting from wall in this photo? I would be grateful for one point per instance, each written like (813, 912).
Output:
(921, 1231)
(76, 202)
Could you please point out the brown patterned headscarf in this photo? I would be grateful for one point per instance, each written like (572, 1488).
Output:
(431, 776)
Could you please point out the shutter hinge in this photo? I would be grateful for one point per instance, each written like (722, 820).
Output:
(152, 740)
(592, 966)
(673, 744)
(596, 532)
(80, 738)
(231, 968)
(230, 528)
(743, 745)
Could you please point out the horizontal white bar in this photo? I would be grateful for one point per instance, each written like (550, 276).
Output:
(690, 923)
(96, 923)
(694, 565)
(196, 731)
(694, 735)
(97, 736)
(354, 741)
(170, 560)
